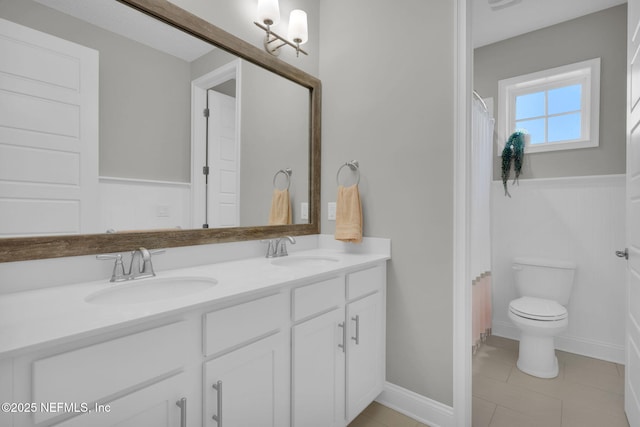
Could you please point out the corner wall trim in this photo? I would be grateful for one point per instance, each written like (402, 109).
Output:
(416, 406)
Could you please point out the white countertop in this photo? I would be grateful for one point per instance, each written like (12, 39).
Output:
(32, 319)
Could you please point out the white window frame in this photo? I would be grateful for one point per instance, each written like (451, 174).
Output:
(586, 73)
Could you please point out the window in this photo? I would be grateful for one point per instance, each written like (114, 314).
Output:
(560, 107)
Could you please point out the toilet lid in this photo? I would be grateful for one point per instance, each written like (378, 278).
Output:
(538, 309)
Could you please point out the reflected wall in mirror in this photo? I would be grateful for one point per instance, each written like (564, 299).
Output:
(145, 120)
(137, 97)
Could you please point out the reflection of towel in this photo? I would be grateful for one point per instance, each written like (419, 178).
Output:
(348, 215)
(280, 213)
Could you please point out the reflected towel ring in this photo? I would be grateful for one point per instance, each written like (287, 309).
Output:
(287, 172)
(354, 166)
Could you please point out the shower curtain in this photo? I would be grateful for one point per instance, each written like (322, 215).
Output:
(480, 251)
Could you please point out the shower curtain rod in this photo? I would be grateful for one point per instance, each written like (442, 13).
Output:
(481, 101)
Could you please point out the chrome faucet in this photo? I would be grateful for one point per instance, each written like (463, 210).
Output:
(140, 266)
(278, 247)
(141, 260)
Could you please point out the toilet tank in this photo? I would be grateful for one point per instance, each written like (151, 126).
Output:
(544, 278)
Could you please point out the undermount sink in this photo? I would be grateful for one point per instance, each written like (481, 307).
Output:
(148, 290)
(304, 261)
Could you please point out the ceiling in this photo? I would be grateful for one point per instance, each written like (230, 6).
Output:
(510, 18)
(120, 19)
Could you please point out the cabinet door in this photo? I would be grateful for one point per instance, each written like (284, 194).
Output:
(6, 389)
(251, 386)
(318, 371)
(365, 370)
(154, 405)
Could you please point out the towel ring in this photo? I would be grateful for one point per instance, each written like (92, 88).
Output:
(354, 166)
(287, 172)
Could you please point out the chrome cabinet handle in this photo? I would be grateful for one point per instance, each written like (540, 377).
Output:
(182, 404)
(218, 418)
(344, 336)
(623, 254)
(357, 337)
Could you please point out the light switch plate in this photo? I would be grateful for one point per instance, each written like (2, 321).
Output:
(304, 210)
(332, 211)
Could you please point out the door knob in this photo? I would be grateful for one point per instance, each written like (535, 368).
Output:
(623, 254)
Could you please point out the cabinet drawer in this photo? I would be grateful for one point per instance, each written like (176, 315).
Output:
(92, 373)
(154, 405)
(317, 297)
(364, 282)
(235, 325)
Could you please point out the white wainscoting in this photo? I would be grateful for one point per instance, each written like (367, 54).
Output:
(581, 219)
(133, 204)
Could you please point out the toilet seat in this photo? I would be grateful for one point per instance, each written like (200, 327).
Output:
(538, 309)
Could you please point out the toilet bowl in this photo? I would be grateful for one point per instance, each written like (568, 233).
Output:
(544, 288)
(539, 321)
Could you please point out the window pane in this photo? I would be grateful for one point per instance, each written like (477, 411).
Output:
(535, 129)
(565, 127)
(565, 99)
(531, 105)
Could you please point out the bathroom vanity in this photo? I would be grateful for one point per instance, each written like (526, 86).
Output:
(293, 341)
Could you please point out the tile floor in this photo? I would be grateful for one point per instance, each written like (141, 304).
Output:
(377, 415)
(587, 392)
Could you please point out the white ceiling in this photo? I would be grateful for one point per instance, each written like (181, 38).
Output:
(515, 17)
(120, 19)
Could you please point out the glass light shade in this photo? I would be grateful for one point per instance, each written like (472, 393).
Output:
(298, 31)
(268, 12)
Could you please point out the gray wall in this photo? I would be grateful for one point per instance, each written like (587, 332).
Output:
(274, 135)
(599, 35)
(388, 102)
(136, 82)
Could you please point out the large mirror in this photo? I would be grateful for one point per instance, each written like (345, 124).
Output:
(172, 126)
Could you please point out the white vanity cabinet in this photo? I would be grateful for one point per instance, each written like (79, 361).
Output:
(365, 375)
(307, 353)
(130, 380)
(365, 338)
(153, 405)
(246, 380)
(318, 354)
(6, 389)
(338, 353)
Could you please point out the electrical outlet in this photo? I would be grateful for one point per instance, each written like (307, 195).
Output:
(162, 211)
(332, 211)
(304, 210)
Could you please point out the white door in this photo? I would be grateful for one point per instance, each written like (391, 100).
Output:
(632, 371)
(48, 134)
(318, 366)
(223, 162)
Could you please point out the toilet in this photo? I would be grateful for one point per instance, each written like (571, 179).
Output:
(540, 313)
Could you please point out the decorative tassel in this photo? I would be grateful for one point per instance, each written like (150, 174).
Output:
(513, 151)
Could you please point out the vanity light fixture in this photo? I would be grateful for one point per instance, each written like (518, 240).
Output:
(269, 15)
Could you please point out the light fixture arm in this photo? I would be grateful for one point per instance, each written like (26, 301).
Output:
(276, 36)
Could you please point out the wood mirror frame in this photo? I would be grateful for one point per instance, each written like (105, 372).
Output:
(30, 248)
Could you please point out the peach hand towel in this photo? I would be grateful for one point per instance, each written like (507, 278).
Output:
(280, 213)
(348, 215)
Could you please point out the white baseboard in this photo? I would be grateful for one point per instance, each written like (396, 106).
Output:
(418, 407)
(590, 348)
